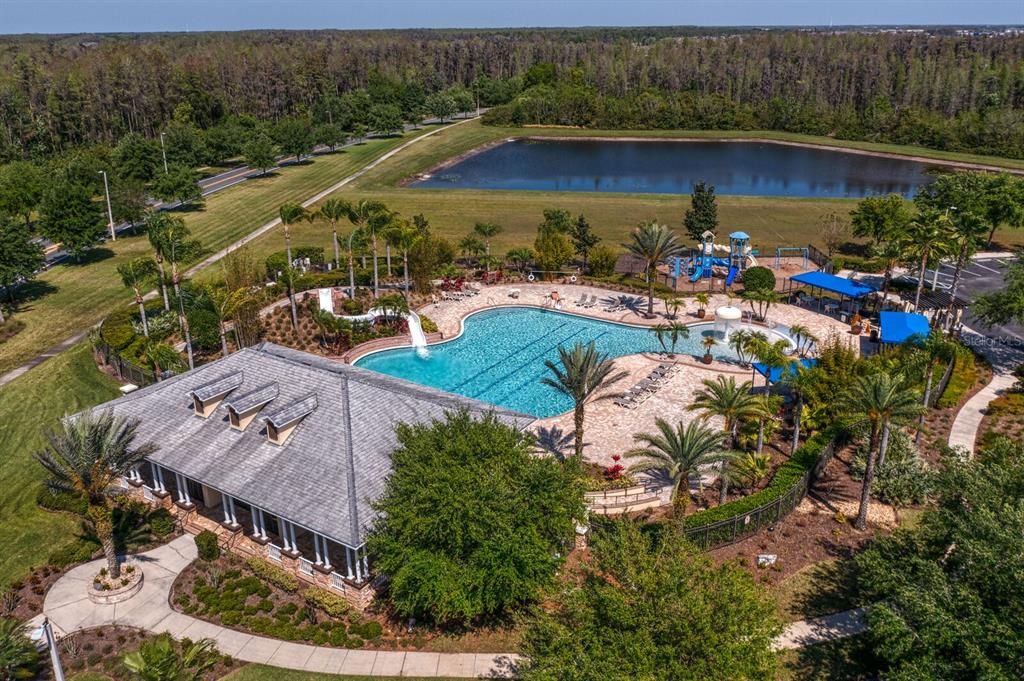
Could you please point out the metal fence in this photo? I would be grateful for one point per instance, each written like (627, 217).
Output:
(124, 369)
(730, 530)
(819, 258)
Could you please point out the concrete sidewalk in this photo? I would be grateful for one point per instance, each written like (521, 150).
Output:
(822, 629)
(964, 431)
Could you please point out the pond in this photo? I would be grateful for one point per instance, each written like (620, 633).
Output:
(673, 167)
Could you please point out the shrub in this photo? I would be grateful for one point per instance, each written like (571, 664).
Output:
(330, 603)
(759, 279)
(903, 479)
(367, 630)
(273, 574)
(117, 330)
(965, 374)
(602, 261)
(62, 501)
(205, 328)
(161, 522)
(77, 551)
(427, 324)
(206, 544)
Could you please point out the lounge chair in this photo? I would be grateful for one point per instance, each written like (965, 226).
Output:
(592, 302)
(581, 301)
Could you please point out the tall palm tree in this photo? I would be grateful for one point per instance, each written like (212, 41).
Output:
(362, 214)
(486, 231)
(968, 230)
(134, 275)
(334, 210)
(669, 335)
(159, 660)
(404, 237)
(723, 397)
(679, 452)
(879, 400)
(766, 408)
(19, 658)
(156, 223)
(87, 457)
(936, 349)
(177, 245)
(801, 380)
(653, 243)
(290, 214)
(580, 373)
(929, 235)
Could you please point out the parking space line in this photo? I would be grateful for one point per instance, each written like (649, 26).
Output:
(978, 264)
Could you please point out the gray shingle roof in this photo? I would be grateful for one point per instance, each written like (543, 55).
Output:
(335, 463)
(254, 398)
(218, 386)
(292, 411)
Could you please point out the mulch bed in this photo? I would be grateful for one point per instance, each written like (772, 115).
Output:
(939, 422)
(24, 598)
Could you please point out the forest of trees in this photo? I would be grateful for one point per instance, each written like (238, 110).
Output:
(944, 91)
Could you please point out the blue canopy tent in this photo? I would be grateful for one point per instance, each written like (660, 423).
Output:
(846, 288)
(775, 374)
(897, 327)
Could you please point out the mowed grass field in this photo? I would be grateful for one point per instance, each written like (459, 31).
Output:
(771, 221)
(71, 297)
(28, 407)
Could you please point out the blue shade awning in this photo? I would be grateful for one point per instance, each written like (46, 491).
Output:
(899, 326)
(774, 374)
(830, 282)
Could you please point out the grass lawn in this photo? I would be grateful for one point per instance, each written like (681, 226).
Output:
(771, 221)
(842, 660)
(259, 672)
(818, 589)
(30, 404)
(71, 297)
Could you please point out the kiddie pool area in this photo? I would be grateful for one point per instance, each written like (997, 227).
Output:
(499, 358)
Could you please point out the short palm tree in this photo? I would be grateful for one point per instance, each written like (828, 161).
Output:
(155, 223)
(879, 400)
(580, 373)
(801, 381)
(225, 303)
(486, 231)
(134, 275)
(653, 243)
(679, 452)
(333, 210)
(766, 409)
(160, 660)
(87, 457)
(19, 658)
(724, 397)
(751, 468)
(937, 349)
(803, 337)
(669, 335)
(160, 356)
(739, 342)
(761, 301)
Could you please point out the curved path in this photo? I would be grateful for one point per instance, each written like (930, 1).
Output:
(69, 609)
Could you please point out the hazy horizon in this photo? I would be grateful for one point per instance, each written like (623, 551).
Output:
(171, 16)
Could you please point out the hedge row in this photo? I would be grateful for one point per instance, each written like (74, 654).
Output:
(273, 574)
(965, 373)
(786, 477)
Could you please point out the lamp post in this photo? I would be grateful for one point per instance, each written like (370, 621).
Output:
(44, 635)
(110, 212)
(163, 150)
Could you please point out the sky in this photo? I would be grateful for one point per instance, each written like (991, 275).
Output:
(94, 16)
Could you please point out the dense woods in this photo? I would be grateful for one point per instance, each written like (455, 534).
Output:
(946, 91)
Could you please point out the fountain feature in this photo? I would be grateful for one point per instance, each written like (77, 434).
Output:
(725, 318)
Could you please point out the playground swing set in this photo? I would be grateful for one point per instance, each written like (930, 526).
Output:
(712, 260)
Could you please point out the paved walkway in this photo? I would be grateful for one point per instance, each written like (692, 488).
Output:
(964, 432)
(70, 610)
(263, 229)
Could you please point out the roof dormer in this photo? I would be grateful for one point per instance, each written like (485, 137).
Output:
(244, 408)
(282, 422)
(207, 397)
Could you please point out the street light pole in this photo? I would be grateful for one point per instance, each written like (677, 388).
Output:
(163, 150)
(51, 644)
(110, 212)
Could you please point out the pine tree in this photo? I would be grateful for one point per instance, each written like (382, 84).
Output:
(702, 216)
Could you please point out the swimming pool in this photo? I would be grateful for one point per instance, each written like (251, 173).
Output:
(499, 358)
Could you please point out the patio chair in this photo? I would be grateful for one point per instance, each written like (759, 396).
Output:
(581, 301)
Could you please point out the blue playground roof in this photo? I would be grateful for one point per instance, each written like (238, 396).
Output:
(773, 374)
(899, 326)
(739, 235)
(830, 282)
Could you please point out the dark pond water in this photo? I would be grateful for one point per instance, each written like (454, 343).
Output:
(751, 168)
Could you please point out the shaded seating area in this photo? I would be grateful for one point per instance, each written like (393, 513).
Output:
(898, 327)
(775, 374)
(846, 289)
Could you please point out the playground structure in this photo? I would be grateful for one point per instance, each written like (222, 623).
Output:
(705, 264)
(802, 250)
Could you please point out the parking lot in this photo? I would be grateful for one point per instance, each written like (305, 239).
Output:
(984, 275)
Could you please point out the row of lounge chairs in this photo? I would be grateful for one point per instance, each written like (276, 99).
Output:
(639, 393)
(586, 301)
(467, 291)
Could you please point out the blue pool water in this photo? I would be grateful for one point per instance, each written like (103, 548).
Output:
(500, 356)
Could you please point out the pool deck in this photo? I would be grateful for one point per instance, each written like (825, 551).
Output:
(609, 429)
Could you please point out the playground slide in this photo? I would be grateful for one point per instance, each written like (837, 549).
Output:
(733, 271)
(698, 272)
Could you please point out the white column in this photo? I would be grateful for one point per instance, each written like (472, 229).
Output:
(282, 526)
(158, 477)
(229, 509)
(182, 489)
(316, 549)
(259, 527)
(325, 547)
(359, 570)
(348, 563)
(366, 564)
(295, 543)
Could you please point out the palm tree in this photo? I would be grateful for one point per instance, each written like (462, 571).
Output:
(723, 397)
(177, 245)
(134, 275)
(291, 213)
(334, 210)
(653, 243)
(669, 335)
(519, 257)
(800, 380)
(224, 302)
(580, 373)
(803, 337)
(762, 299)
(936, 348)
(486, 230)
(361, 214)
(156, 223)
(751, 468)
(679, 452)
(87, 457)
(928, 235)
(159, 660)
(19, 658)
(404, 237)
(739, 342)
(879, 400)
(161, 356)
(765, 409)
(472, 247)
(968, 229)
